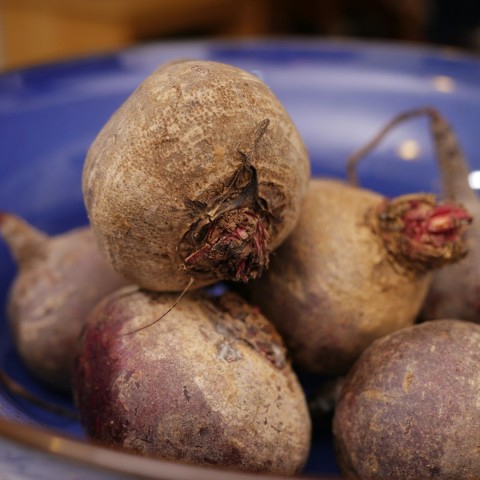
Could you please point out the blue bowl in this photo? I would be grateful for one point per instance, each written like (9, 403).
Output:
(338, 93)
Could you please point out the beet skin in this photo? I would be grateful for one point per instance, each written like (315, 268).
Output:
(208, 384)
(410, 407)
(356, 267)
(455, 290)
(200, 173)
(60, 279)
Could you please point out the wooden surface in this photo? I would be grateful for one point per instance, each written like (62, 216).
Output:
(36, 31)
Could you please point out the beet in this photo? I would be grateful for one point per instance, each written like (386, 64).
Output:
(455, 290)
(207, 384)
(410, 407)
(356, 267)
(199, 174)
(59, 281)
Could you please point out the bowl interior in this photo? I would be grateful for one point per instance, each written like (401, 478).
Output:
(338, 93)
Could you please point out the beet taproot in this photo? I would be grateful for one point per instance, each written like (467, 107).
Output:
(410, 407)
(455, 290)
(207, 384)
(356, 267)
(60, 279)
(199, 174)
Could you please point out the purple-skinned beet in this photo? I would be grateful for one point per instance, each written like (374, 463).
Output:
(410, 407)
(59, 280)
(207, 384)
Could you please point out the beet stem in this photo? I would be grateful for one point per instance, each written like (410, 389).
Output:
(234, 247)
(453, 165)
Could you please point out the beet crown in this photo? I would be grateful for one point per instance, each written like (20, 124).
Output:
(422, 234)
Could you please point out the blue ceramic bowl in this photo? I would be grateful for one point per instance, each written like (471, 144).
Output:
(338, 93)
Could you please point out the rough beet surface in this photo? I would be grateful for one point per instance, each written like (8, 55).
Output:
(200, 173)
(60, 279)
(356, 267)
(455, 290)
(207, 384)
(410, 407)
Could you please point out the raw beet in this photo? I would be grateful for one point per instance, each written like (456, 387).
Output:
(410, 407)
(356, 267)
(200, 173)
(207, 384)
(59, 281)
(455, 290)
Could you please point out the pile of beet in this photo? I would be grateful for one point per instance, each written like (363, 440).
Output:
(197, 178)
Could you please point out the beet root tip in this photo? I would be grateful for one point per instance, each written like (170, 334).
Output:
(422, 234)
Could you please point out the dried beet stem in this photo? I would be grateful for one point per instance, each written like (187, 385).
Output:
(417, 232)
(24, 240)
(229, 239)
(451, 160)
(420, 233)
(454, 290)
(235, 247)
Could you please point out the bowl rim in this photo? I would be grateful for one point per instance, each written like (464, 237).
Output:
(92, 454)
(273, 42)
(100, 457)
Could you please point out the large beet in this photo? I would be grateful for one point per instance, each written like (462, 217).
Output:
(410, 407)
(207, 384)
(200, 173)
(454, 290)
(356, 267)
(60, 279)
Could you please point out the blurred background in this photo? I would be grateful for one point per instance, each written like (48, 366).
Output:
(37, 31)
